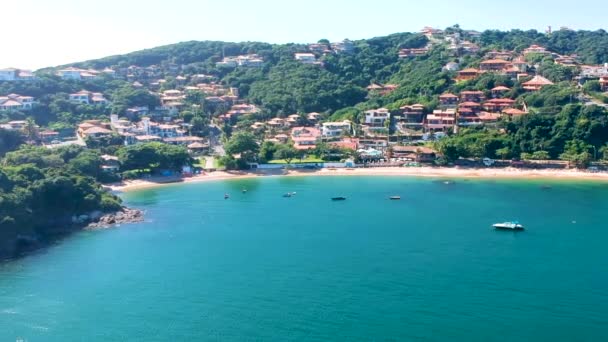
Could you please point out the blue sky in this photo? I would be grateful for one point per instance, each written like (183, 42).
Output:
(51, 32)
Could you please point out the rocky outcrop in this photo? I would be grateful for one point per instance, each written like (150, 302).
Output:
(126, 215)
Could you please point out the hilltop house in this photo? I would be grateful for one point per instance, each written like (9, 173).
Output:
(536, 49)
(72, 73)
(306, 58)
(412, 115)
(87, 97)
(16, 102)
(13, 74)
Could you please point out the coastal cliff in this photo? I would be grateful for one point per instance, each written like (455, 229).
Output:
(15, 244)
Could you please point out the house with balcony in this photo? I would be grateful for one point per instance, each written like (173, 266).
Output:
(536, 83)
(448, 100)
(472, 96)
(420, 154)
(345, 46)
(499, 91)
(494, 65)
(16, 102)
(90, 98)
(306, 58)
(78, 74)
(535, 49)
(440, 120)
(413, 115)
(13, 74)
(377, 117)
(468, 74)
(410, 53)
(305, 138)
(497, 105)
(336, 129)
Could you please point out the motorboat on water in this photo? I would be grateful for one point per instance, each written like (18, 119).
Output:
(394, 198)
(226, 196)
(289, 194)
(338, 198)
(512, 225)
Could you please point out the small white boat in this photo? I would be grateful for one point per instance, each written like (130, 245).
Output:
(513, 225)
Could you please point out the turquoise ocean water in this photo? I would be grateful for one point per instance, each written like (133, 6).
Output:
(260, 267)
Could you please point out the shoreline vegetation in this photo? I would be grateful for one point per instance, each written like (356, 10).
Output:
(425, 171)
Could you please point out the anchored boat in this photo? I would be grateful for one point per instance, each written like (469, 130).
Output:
(512, 225)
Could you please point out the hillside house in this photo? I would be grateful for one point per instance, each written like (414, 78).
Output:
(448, 100)
(87, 97)
(377, 117)
(472, 96)
(536, 83)
(467, 74)
(305, 138)
(16, 102)
(336, 129)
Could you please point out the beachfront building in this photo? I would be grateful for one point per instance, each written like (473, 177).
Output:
(305, 138)
(336, 129)
(16, 102)
(87, 97)
(420, 154)
(377, 117)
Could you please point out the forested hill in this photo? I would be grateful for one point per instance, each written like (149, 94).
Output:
(283, 86)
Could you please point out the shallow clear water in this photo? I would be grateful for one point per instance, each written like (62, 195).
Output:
(262, 267)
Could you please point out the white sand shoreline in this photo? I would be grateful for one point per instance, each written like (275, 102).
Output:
(451, 172)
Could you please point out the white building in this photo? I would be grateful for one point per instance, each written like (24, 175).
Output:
(72, 73)
(377, 117)
(306, 58)
(87, 97)
(13, 74)
(16, 102)
(336, 129)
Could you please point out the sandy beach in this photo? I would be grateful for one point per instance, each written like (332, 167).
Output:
(451, 172)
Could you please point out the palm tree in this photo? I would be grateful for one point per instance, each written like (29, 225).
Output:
(30, 130)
